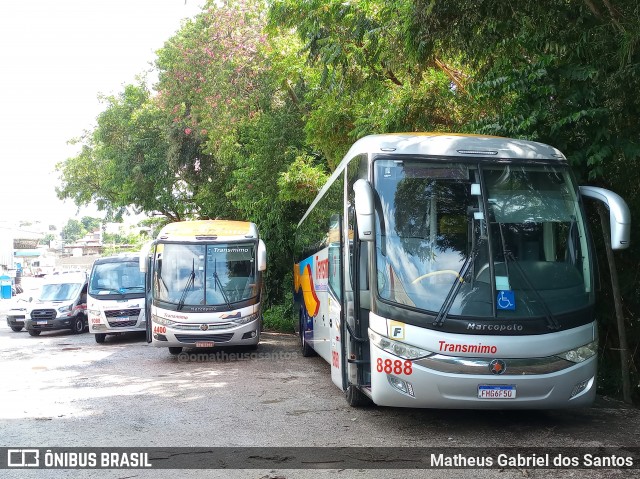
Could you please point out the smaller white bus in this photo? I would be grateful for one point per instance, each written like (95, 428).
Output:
(204, 285)
(116, 298)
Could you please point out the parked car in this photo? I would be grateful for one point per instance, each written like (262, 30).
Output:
(16, 315)
(61, 304)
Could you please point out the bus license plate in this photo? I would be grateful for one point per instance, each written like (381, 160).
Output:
(204, 344)
(490, 391)
(41, 322)
(119, 319)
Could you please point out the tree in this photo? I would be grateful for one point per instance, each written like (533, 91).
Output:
(123, 162)
(72, 231)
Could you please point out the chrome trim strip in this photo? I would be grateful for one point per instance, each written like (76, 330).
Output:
(196, 327)
(480, 366)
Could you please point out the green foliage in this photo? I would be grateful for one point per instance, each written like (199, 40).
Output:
(46, 239)
(279, 317)
(123, 162)
(72, 231)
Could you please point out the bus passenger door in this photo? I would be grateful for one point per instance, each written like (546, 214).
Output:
(335, 302)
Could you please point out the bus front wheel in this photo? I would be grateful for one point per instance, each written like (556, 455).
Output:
(175, 350)
(356, 398)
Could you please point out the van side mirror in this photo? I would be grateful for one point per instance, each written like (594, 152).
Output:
(619, 215)
(262, 256)
(364, 204)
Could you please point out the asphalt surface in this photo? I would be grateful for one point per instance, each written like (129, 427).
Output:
(64, 390)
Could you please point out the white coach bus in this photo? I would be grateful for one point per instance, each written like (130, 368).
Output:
(453, 271)
(204, 285)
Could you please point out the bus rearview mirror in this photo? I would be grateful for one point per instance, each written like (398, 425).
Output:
(364, 204)
(262, 256)
(619, 215)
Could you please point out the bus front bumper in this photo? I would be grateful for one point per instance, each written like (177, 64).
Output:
(204, 336)
(402, 383)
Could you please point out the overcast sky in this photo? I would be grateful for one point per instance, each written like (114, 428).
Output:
(56, 56)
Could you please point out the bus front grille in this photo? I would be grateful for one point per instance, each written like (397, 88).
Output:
(192, 338)
(122, 324)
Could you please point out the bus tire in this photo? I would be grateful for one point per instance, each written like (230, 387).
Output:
(307, 350)
(356, 398)
(175, 350)
(34, 332)
(100, 337)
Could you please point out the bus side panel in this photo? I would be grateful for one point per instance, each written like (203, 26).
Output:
(322, 340)
(312, 287)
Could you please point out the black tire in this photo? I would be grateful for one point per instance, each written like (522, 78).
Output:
(100, 337)
(78, 325)
(16, 329)
(356, 398)
(34, 332)
(307, 350)
(175, 350)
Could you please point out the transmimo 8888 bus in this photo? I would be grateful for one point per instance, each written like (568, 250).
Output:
(453, 271)
(204, 285)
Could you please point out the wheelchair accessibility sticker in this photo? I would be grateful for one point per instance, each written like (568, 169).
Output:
(506, 300)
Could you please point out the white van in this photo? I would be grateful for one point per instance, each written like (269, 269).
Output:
(116, 298)
(60, 304)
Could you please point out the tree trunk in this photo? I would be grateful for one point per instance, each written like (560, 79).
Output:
(617, 301)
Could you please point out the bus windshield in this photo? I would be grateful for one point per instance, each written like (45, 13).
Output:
(498, 241)
(205, 274)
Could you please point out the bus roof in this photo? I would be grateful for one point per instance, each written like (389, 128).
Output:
(453, 145)
(208, 229)
(445, 145)
(119, 258)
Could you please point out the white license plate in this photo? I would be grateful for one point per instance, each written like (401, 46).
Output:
(492, 391)
(41, 322)
(204, 344)
(120, 319)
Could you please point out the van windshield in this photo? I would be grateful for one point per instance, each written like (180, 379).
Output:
(60, 291)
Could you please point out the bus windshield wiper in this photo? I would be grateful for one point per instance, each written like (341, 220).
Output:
(190, 281)
(219, 284)
(455, 288)
(552, 323)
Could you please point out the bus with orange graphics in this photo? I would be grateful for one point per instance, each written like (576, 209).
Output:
(204, 285)
(453, 271)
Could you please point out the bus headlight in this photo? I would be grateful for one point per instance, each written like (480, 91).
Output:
(397, 348)
(246, 319)
(162, 321)
(580, 354)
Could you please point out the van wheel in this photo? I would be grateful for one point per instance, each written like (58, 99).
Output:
(356, 398)
(34, 332)
(100, 338)
(175, 350)
(16, 329)
(78, 325)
